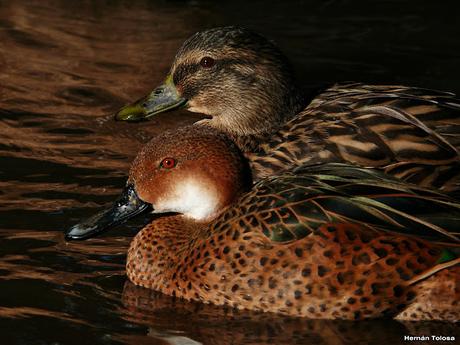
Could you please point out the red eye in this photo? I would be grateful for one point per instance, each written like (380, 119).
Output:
(168, 163)
(207, 62)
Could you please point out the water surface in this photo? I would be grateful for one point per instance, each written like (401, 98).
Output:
(66, 66)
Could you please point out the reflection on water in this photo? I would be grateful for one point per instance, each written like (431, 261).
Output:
(66, 66)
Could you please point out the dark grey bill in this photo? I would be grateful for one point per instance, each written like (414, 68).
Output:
(127, 206)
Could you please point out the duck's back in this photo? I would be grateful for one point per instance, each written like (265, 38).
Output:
(411, 133)
(293, 205)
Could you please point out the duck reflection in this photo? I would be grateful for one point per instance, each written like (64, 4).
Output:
(197, 323)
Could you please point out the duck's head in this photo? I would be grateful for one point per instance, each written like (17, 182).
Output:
(193, 171)
(239, 79)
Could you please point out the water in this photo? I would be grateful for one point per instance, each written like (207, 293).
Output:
(66, 66)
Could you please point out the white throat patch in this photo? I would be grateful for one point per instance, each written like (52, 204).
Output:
(192, 198)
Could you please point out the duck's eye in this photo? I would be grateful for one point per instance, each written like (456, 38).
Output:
(207, 62)
(168, 163)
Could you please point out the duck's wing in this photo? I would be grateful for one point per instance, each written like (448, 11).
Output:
(291, 206)
(412, 133)
(430, 110)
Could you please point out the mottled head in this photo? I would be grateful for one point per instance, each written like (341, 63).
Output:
(194, 171)
(238, 78)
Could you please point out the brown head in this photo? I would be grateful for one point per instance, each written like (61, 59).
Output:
(238, 78)
(194, 171)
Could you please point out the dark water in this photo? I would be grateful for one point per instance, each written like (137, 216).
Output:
(66, 66)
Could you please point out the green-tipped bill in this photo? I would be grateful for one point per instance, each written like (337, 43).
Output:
(165, 97)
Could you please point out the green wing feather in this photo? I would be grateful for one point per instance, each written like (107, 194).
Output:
(291, 206)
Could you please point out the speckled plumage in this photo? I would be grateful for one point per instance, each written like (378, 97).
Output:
(410, 133)
(332, 241)
(251, 94)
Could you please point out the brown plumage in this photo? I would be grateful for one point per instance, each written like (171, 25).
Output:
(250, 92)
(329, 241)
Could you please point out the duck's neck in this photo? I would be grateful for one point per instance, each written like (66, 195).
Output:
(157, 253)
(256, 113)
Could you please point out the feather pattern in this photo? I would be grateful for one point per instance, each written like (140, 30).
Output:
(410, 133)
(291, 206)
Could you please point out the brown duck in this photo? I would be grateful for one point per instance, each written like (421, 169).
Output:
(328, 241)
(247, 88)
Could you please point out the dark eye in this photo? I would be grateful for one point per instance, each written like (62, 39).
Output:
(207, 62)
(168, 163)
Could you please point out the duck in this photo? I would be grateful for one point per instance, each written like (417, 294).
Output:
(246, 87)
(331, 241)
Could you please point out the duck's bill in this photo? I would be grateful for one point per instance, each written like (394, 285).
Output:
(127, 206)
(165, 97)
